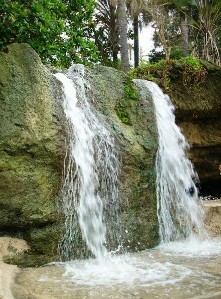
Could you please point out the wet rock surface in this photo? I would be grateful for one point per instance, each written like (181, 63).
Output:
(136, 140)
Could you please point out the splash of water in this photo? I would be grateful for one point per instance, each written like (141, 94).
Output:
(91, 169)
(180, 211)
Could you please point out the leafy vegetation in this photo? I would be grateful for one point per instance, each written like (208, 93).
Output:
(182, 28)
(122, 113)
(130, 94)
(85, 31)
(60, 31)
(191, 69)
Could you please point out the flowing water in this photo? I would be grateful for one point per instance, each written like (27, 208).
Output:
(90, 170)
(187, 268)
(184, 270)
(180, 211)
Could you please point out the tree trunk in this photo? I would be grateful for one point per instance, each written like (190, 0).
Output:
(136, 41)
(184, 33)
(122, 21)
(114, 32)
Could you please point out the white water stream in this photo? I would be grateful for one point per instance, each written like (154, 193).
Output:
(90, 170)
(180, 212)
(183, 269)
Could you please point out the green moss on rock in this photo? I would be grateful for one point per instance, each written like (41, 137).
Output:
(30, 148)
(137, 144)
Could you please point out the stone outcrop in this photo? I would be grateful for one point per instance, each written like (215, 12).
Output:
(32, 134)
(9, 247)
(32, 150)
(198, 110)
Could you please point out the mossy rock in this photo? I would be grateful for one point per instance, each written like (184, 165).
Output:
(32, 152)
(137, 141)
(30, 147)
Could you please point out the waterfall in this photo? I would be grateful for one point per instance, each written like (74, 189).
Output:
(180, 212)
(91, 166)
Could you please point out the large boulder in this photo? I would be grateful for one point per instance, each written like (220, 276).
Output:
(32, 150)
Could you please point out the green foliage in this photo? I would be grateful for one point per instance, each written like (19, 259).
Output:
(155, 56)
(192, 63)
(191, 68)
(106, 32)
(176, 53)
(108, 62)
(152, 71)
(130, 92)
(122, 113)
(59, 31)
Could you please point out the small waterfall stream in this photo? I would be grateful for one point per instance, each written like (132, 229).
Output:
(180, 211)
(90, 170)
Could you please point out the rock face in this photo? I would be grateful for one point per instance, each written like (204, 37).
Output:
(213, 217)
(32, 150)
(128, 112)
(9, 247)
(198, 110)
(32, 133)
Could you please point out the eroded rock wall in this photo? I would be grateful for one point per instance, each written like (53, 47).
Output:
(198, 113)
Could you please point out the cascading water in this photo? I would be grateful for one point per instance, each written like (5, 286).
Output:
(90, 170)
(182, 269)
(180, 212)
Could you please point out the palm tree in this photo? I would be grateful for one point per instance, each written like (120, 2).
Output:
(184, 32)
(107, 31)
(207, 25)
(184, 7)
(112, 16)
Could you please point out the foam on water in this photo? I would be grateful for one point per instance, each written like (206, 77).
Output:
(191, 247)
(125, 269)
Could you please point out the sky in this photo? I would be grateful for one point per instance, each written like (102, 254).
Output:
(146, 41)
